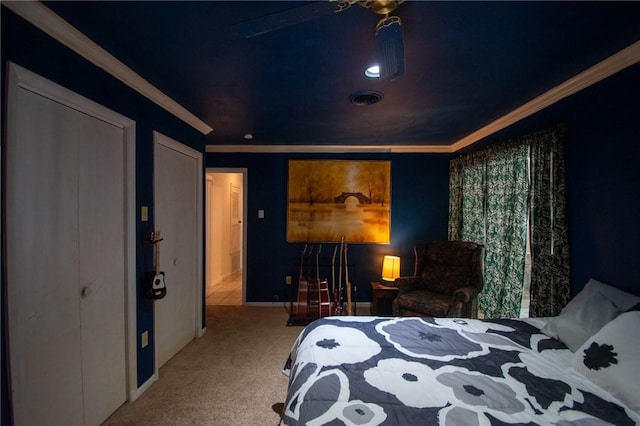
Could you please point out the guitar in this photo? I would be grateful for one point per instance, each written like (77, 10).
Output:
(323, 289)
(313, 301)
(334, 306)
(347, 282)
(158, 288)
(337, 294)
(300, 306)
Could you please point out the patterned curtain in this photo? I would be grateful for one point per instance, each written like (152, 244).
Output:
(506, 235)
(550, 284)
(490, 201)
(467, 198)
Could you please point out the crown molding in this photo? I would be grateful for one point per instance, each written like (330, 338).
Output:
(49, 22)
(330, 149)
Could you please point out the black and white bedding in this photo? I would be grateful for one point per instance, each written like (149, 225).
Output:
(431, 371)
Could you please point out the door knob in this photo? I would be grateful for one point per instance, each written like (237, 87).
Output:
(85, 292)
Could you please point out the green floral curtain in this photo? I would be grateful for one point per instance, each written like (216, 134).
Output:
(550, 285)
(467, 198)
(492, 193)
(506, 236)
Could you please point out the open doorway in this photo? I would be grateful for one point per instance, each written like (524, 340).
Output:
(225, 236)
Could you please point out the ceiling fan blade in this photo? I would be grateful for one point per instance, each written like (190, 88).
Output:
(285, 18)
(390, 47)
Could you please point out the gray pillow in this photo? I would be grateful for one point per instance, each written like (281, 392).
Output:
(575, 325)
(621, 299)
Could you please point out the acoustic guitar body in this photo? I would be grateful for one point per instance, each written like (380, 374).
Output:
(325, 301)
(156, 287)
(313, 301)
(300, 306)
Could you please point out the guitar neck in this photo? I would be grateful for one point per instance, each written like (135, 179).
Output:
(155, 238)
(318, 263)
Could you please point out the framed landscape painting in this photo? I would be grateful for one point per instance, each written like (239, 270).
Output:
(331, 199)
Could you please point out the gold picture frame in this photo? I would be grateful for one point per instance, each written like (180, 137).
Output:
(331, 199)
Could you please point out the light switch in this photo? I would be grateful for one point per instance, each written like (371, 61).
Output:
(144, 213)
(260, 214)
(144, 340)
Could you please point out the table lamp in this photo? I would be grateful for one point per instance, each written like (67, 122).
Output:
(390, 268)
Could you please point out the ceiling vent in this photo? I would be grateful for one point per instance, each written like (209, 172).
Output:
(365, 97)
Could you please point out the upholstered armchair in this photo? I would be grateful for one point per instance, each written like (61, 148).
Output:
(448, 277)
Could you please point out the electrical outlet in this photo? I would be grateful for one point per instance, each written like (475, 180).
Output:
(144, 340)
(275, 298)
(287, 280)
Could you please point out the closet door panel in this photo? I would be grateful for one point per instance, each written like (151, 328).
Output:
(102, 267)
(42, 263)
(175, 181)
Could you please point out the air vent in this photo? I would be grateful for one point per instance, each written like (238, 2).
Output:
(365, 97)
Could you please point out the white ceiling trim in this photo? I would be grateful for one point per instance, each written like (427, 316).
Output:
(58, 28)
(49, 22)
(329, 149)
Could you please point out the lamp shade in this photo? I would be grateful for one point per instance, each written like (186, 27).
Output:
(390, 268)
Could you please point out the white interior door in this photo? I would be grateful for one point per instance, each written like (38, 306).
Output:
(102, 268)
(236, 220)
(178, 217)
(42, 264)
(66, 251)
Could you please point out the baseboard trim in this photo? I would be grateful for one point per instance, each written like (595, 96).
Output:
(135, 394)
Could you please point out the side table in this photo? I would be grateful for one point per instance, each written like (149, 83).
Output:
(381, 298)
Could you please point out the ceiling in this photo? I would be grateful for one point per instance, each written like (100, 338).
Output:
(467, 64)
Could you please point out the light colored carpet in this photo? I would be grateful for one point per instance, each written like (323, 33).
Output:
(230, 376)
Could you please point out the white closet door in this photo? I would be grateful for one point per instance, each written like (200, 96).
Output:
(102, 268)
(42, 264)
(65, 264)
(176, 214)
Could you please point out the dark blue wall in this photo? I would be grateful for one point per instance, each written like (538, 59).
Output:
(419, 209)
(604, 181)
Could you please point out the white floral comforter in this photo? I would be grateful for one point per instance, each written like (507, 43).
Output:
(427, 371)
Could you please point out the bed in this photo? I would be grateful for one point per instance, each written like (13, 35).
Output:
(582, 367)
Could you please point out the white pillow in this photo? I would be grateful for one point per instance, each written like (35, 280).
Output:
(582, 320)
(621, 299)
(611, 359)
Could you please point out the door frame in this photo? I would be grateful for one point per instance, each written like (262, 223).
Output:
(245, 191)
(166, 141)
(21, 78)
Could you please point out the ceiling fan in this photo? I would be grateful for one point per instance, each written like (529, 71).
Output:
(389, 36)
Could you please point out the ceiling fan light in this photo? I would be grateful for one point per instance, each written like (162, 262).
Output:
(373, 71)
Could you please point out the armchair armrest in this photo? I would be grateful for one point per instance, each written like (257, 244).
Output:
(407, 284)
(463, 303)
(465, 294)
